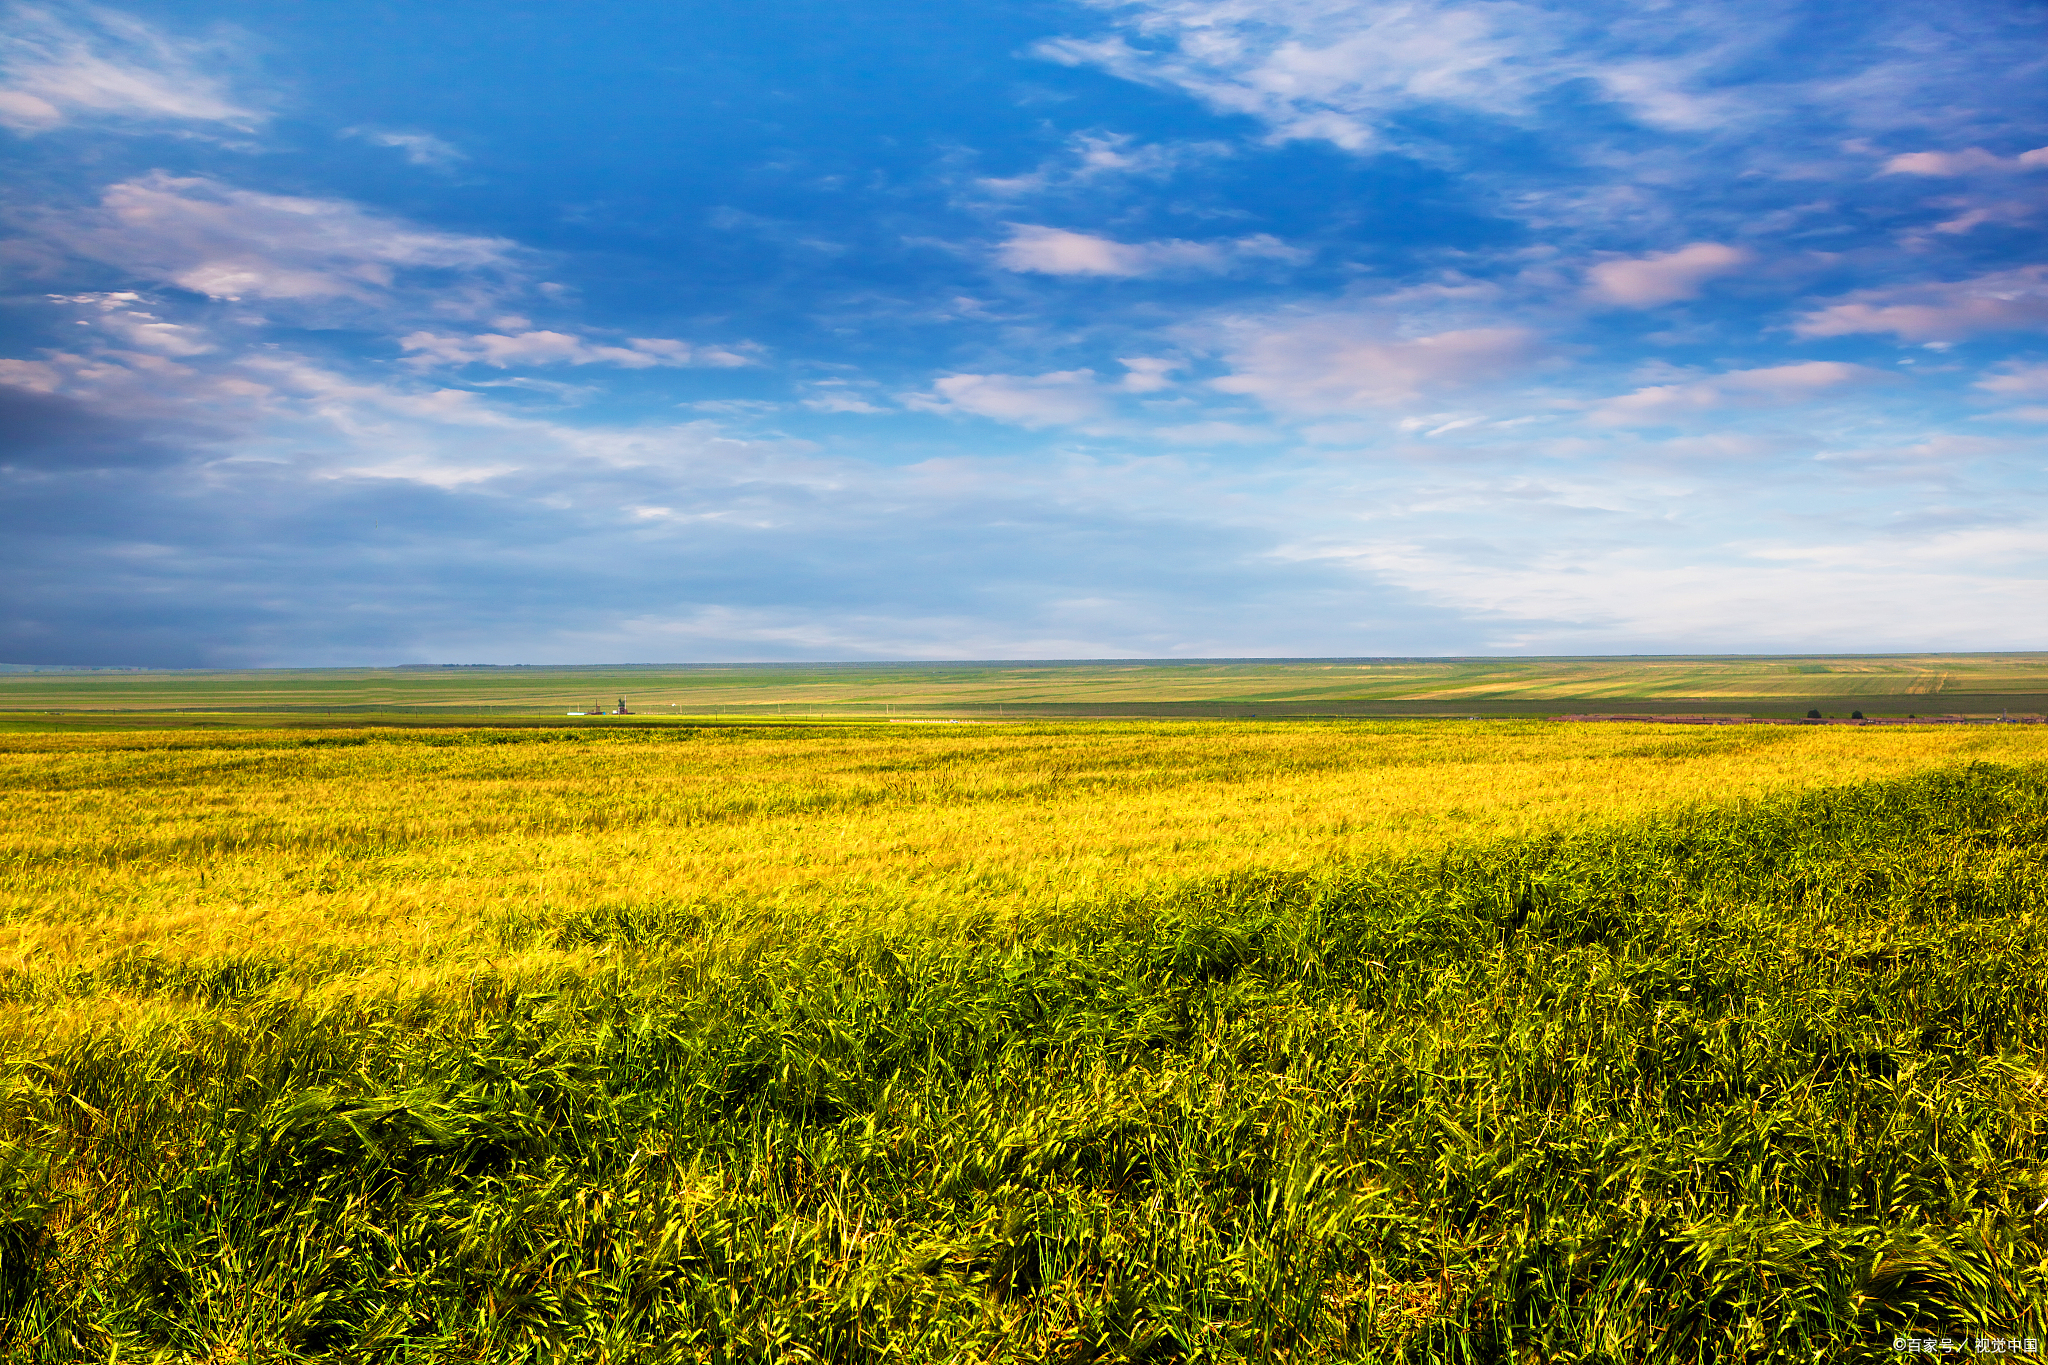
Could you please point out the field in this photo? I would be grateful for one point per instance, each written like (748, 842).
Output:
(1982, 684)
(1168, 1041)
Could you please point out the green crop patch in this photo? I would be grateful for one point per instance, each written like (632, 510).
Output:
(1756, 1082)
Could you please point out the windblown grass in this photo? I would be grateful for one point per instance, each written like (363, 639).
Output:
(1176, 1044)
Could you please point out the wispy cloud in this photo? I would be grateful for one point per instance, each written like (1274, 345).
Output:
(59, 66)
(1324, 69)
(1342, 363)
(1878, 593)
(1346, 71)
(1772, 385)
(235, 244)
(829, 395)
(537, 347)
(1092, 158)
(1054, 251)
(2001, 301)
(1061, 398)
(2017, 380)
(126, 315)
(1698, 101)
(1969, 161)
(421, 149)
(1148, 374)
(1665, 277)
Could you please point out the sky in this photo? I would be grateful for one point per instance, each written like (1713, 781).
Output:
(519, 332)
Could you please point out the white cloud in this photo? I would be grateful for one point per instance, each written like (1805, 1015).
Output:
(1657, 94)
(1089, 158)
(835, 395)
(734, 407)
(842, 402)
(1041, 400)
(2006, 300)
(229, 243)
(1091, 628)
(26, 113)
(1770, 386)
(641, 494)
(53, 70)
(1148, 374)
(40, 376)
(2017, 381)
(1328, 69)
(1053, 251)
(359, 408)
(1969, 161)
(1718, 447)
(1964, 549)
(1406, 74)
(1344, 70)
(1211, 433)
(1664, 277)
(1439, 424)
(123, 315)
(1898, 592)
(1975, 214)
(521, 349)
(1346, 364)
(1939, 452)
(421, 149)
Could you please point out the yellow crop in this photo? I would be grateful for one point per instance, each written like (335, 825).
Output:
(365, 861)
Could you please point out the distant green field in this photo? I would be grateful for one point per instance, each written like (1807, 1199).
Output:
(1761, 685)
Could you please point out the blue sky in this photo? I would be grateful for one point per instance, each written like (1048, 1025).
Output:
(516, 332)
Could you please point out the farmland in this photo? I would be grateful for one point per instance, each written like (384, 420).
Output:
(1436, 1040)
(1983, 684)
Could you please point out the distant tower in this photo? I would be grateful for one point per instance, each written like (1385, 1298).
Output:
(622, 708)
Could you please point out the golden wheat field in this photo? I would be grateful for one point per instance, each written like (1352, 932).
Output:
(391, 862)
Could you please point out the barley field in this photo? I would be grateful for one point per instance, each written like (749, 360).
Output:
(1431, 1041)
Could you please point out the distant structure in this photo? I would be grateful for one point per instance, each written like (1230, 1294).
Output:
(622, 711)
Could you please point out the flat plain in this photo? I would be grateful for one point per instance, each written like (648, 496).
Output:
(1979, 684)
(723, 1041)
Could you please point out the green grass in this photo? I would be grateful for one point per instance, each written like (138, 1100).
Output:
(1757, 1083)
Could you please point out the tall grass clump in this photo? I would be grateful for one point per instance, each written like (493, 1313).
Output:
(1751, 1083)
